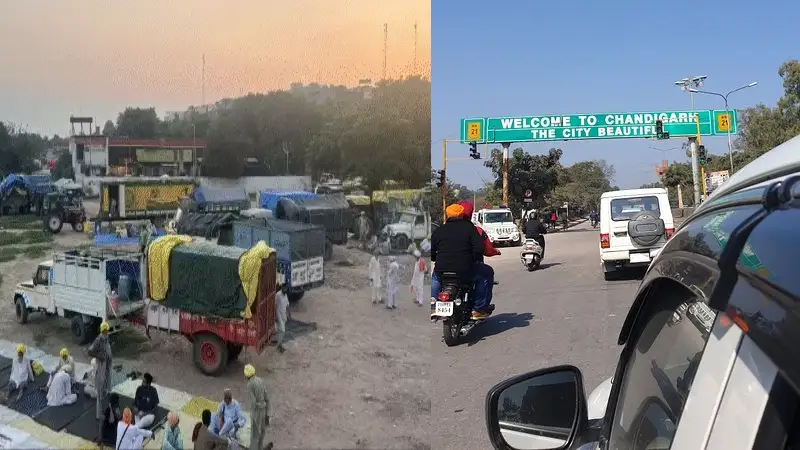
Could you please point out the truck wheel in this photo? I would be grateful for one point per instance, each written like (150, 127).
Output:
(328, 250)
(21, 310)
(234, 350)
(54, 224)
(401, 242)
(81, 334)
(210, 354)
(296, 296)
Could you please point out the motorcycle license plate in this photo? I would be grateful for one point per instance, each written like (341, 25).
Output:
(444, 309)
(528, 258)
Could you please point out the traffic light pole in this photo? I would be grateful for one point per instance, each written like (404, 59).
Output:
(444, 180)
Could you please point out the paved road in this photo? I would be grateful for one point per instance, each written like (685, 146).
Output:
(564, 313)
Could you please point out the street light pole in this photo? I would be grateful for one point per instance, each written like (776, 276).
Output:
(728, 112)
(194, 151)
(691, 84)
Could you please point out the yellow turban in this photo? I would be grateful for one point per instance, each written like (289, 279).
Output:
(249, 371)
(20, 348)
(454, 211)
(64, 352)
(104, 326)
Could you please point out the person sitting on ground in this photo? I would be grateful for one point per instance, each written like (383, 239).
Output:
(145, 402)
(64, 360)
(229, 418)
(173, 438)
(21, 373)
(111, 417)
(129, 435)
(60, 390)
(202, 436)
(88, 379)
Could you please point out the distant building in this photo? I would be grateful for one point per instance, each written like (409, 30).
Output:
(104, 156)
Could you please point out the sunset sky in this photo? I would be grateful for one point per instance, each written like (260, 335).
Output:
(94, 58)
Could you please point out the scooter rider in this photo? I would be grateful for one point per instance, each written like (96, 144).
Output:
(455, 247)
(536, 230)
(483, 270)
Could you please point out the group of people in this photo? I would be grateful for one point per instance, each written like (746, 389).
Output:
(459, 246)
(393, 279)
(60, 384)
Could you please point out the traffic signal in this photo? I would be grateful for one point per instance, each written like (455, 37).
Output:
(473, 151)
(660, 134)
(702, 156)
(442, 178)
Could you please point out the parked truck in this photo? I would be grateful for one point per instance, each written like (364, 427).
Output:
(203, 301)
(85, 289)
(142, 198)
(411, 226)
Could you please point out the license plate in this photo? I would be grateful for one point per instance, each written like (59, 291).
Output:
(528, 258)
(444, 309)
(640, 258)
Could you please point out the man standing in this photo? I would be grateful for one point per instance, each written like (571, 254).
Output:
(259, 409)
(375, 276)
(101, 351)
(418, 278)
(281, 313)
(392, 278)
(363, 230)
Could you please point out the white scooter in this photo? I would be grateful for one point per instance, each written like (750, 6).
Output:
(531, 254)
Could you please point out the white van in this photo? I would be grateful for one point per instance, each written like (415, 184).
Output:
(634, 225)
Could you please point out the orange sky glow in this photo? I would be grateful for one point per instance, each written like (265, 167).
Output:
(93, 58)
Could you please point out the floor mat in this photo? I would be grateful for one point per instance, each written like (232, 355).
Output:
(85, 426)
(33, 402)
(5, 363)
(296, 328)
(58, 417)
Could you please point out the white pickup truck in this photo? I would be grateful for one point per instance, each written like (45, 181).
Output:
(83, 289)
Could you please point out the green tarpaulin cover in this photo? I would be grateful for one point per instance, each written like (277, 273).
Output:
(204, 279)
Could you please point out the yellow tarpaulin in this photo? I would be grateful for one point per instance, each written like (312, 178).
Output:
(249, 268)
(158, 263)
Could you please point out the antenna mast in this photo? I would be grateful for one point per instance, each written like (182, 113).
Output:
(385, 46)
(414, 66)
(203, 82)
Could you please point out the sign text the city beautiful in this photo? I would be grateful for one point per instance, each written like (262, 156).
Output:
(591, 125)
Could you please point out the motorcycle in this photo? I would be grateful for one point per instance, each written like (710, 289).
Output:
(454, 308)
(531, 254)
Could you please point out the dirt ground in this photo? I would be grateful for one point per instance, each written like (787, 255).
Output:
(357, 379)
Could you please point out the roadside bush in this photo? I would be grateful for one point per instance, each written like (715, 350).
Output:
(25, 237)
(8, 254)
(36, 251)
(20, 223)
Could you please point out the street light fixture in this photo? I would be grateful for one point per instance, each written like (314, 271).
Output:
(727, 111)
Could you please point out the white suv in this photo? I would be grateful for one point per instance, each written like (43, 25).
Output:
(634, 226)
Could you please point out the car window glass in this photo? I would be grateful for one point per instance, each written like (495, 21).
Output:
(42, 275)
(659, 375)
(625, 208)
(772, 261)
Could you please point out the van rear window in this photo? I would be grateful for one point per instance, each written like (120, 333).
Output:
(625, 208)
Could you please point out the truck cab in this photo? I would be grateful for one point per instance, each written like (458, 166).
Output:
(34, 294)
(411, 226)
(498, 223)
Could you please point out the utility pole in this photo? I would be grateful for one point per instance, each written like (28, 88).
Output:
(687, 84)
(285, 147)
(203, 82)
(414, 64)
(505, 172)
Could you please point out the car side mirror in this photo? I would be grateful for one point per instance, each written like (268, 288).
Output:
(543, 409)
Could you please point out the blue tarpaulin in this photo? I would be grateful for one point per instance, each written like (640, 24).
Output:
(269, 199)
(205, 195)
(38, 184)
(12, 181)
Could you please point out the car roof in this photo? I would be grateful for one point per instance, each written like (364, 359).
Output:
(781, 160)
(633, 192)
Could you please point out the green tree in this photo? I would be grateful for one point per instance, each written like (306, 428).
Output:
(109, 129)
(63, 167)
(138, 123)
(539, 173)
(582, 184)
(18, 150)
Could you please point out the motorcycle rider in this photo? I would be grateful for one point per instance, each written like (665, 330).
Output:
(483, 270)
(595, 218)
(535, 230)
(456, 247)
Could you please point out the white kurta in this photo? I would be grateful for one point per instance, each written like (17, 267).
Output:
(392, 278)
(375, 279)
(60, 391)
(418, 280)
(21, 371)
(130, 437)
(282, 310)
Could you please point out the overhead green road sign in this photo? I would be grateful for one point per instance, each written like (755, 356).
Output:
(596, 126)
